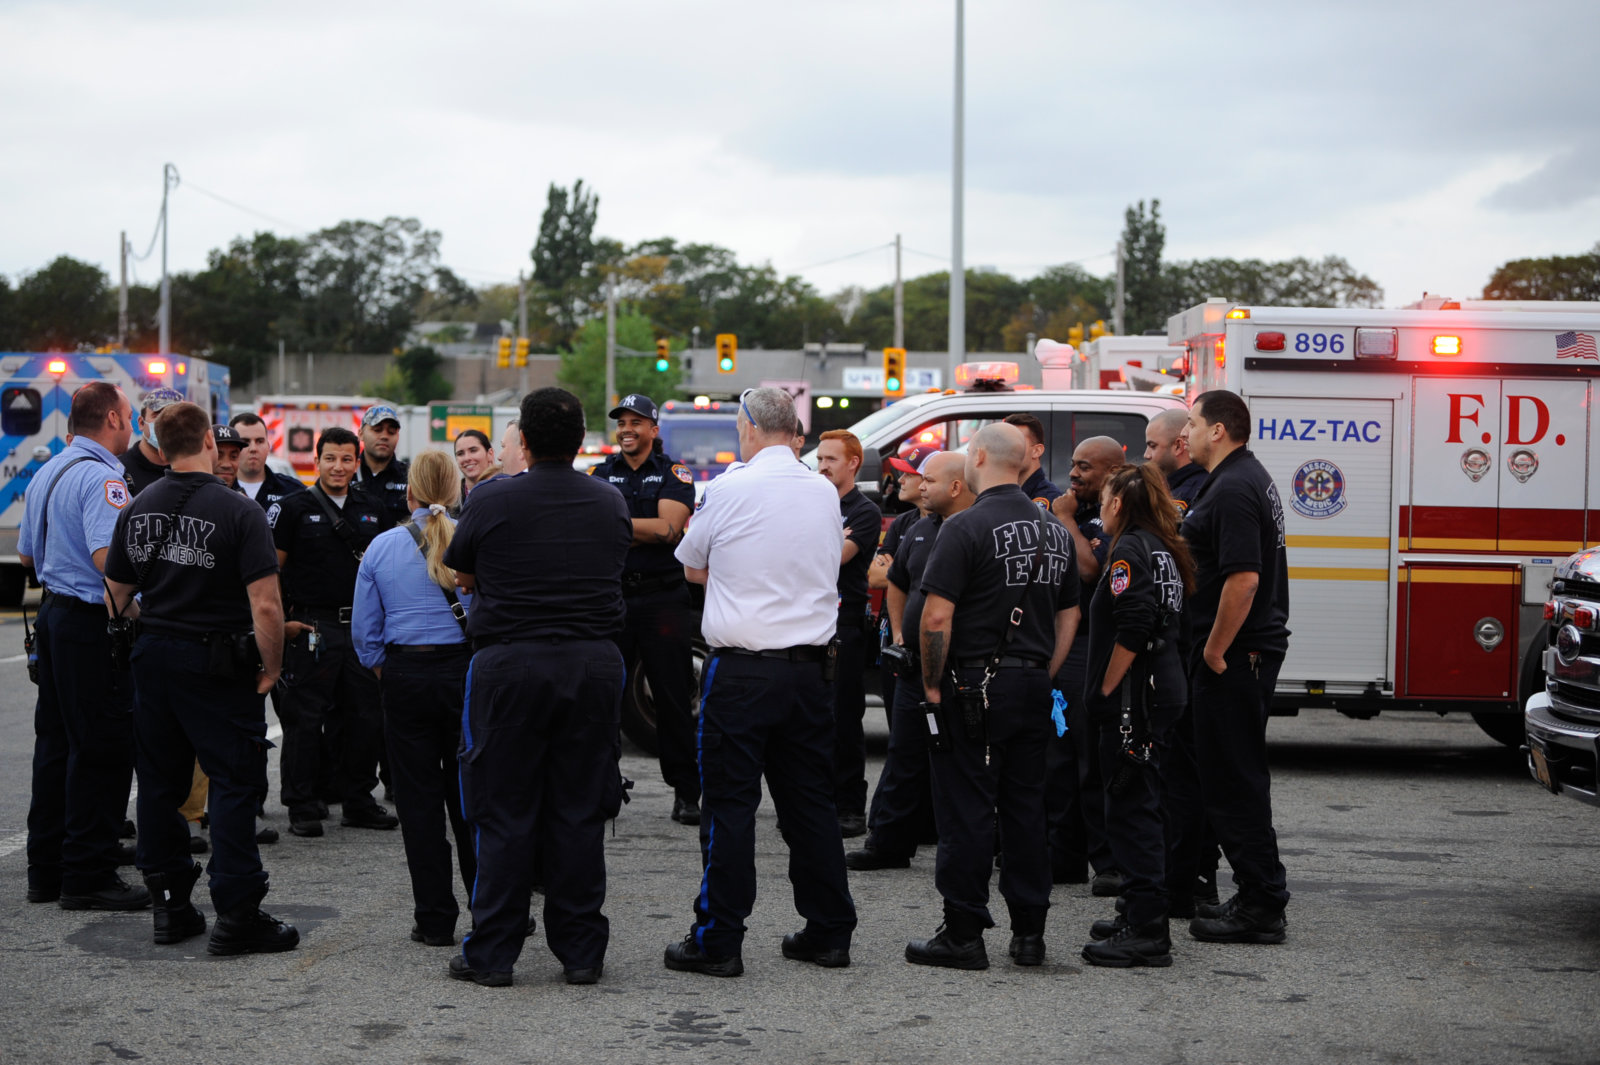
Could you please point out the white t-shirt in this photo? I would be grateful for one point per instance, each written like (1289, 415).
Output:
(771, 538)
(252, 488)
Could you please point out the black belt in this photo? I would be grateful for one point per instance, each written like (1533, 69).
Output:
(481, 642)
(428, 648)
(71, 602)
(1006, 662)
(643, 583)
(805, 652)
(339, 614)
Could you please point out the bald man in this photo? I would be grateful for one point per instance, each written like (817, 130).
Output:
(1000, 612)
(1166, 445)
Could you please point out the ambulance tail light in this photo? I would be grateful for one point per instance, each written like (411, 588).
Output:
(1447, 345)
(1377, 343)
(57, 366)
(1269, 341)
(156, 367)
(1583, 618)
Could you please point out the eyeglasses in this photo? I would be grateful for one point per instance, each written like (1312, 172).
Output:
(751, 418)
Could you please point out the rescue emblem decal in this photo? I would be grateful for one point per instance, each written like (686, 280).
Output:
(1121, 577)
(1319, 489)
(681, 472)
(1475, 463)
(116, 493)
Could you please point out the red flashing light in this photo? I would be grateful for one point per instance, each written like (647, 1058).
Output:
(969, 374)
(1221, 355)
(57, 366)
(156, 367)
(1269, 341)
(183, 367)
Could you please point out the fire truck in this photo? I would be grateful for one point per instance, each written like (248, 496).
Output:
(1433, 466)
(35, 399)
(295, 422)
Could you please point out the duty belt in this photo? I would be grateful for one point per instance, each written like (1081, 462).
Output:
(339, 614)
(805, 652)
(1006, 662)
(70, 602)
(428, 648)
(642, 583)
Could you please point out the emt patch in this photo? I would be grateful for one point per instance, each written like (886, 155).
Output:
(1121, 577)
(116, 493)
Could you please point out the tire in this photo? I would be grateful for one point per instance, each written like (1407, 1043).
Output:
(1502, 728)
(639, 707)
(1511, 729)
(13, 582)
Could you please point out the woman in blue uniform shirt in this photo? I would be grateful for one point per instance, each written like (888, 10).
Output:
(406, 629)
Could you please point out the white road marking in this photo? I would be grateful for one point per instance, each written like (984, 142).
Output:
(13, 844)
(13, 658)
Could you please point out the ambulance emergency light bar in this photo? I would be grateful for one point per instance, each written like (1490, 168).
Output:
(987, 374)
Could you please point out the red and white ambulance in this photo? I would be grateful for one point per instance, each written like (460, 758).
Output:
(294, 423)
(1433, 463)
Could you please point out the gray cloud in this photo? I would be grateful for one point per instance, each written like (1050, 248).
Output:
(1566, 180)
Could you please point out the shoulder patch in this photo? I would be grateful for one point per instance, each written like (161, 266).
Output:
(1121, 577)
(1044, 504)
(116, 493)
(591, 469)
(272, 515)
(681, 472)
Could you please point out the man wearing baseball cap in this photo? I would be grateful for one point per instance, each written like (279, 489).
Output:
(658, 630)
(142, 462)
(230, 444)
(380, 473)
(909, 492)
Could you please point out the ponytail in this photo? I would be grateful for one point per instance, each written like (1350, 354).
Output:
(433, 484)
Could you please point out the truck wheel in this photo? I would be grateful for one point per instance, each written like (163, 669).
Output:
(13, 581)
(1510, 729)
(1502, 728)
(639, 705)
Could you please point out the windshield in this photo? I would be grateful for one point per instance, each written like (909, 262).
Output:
(869, 425)
(701, 443)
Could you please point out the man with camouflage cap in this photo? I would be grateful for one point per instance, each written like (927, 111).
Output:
(142, 463)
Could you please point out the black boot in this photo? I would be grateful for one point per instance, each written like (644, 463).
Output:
(1148, 944)
(176, 919)
(951, 947)
(248, 929)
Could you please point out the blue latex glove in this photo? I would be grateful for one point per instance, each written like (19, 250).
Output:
(1058, 712)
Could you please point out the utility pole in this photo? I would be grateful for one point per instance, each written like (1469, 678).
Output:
(958, 273)
(1122, 271)
(122, 296)
(899, 299)
(694, 346)
(522, 329)
(283, 377)
(611, 341)
(169, 181)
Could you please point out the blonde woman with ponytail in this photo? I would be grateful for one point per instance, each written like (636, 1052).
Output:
(406, 630)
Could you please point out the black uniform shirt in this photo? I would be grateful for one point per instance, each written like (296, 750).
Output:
(982, 558)
(1139, 596)
(140, 472)
(895, 533)
(865, 522)
(547, 549)
(657, 478)
(1041, 489)
(905, 573)
(1093, 530)
(274, 486)
(197, 582)
(1184, 484)
(1236, 526)
(321, 568)
(390, 488)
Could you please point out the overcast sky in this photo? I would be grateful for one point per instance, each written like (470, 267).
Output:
(1425, 142)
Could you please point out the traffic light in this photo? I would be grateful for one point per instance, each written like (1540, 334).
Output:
(1097, 330)
(663, 356)
(503, 360)
(894, 371)
(727, 352)
(1075, 335)
(522, 351)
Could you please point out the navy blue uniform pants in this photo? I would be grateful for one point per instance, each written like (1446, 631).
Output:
(181, 713)
(849, 712)
(1136, 817)
(1230, 731)
(658, 634)
(82, 751)
(771, 716)
(1072, 777)
(902, 804)
(1191, 846)
(422, 697)
(539, 750)
(332, 714)
(973, 782)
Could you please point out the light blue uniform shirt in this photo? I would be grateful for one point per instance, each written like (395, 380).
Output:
(396, 600)
(83, 514)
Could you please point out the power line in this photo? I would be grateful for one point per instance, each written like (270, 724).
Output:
(293, 226)
(842, 258)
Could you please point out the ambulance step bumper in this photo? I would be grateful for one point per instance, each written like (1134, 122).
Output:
(1562, 755)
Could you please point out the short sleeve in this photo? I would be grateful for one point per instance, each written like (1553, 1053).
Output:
(104, 500)
(866, 526)
(948, 564)
(119, 567)
(694, 550)
(899, 572)
(678, 485)
(258, 556)
(1236, 531)
(280, 520)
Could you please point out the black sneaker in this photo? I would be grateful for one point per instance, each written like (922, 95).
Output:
(1244, 923)
(310, 828)
(1106, 884)
(585, 975)
(447, 939)
(373, 816)
(250, 930)
(1146, 945)
(686, 811)
(1027, 949)
(460, 970)
(267, 834)
(118, 895)
(870, 857)
(686, 957)
(948, 952)
(799, 946)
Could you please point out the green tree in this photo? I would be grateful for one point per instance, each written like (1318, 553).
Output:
(419, 367)
(583, 369)
(564, 256)
(64, 306)
(1560, 277)
(1298, 282)
(362, 281)
(1146, 303)
(11, 338)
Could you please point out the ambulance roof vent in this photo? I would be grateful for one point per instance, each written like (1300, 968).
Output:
(1430, 302)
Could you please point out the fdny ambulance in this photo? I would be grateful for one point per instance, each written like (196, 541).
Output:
(1433, 464)
(294, 423)
(35, 399)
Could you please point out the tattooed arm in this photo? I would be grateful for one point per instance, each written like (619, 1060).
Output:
(936, 615)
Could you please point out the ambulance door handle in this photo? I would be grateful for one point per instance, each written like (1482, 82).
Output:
(1488, 632)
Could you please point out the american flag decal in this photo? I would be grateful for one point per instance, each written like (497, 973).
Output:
(1575, 346)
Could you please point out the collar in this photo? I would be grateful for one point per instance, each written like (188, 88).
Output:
(94, 447)
(1237, 455)
(773, 453)
(997, 491)
(1185, 472)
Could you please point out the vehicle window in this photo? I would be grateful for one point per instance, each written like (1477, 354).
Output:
(21, 411)
(1126, 429)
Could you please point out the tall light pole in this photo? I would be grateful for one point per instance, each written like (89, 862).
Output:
(169, 181)
(958, 273)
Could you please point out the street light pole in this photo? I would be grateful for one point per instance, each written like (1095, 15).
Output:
(611, 342)
(958, 274)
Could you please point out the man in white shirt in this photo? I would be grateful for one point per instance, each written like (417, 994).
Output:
(767, 550)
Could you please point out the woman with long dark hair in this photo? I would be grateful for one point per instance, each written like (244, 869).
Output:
(1136, 688)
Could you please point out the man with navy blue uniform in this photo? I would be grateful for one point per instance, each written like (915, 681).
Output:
(142, 463)
(255, 478)
(209, 647)
(539, 735)
(658, 633)
(767, 545)
(83, 722)
(331, 703)
(1001, 611)
(380, 473)
(1166, 445)
(1241, 634)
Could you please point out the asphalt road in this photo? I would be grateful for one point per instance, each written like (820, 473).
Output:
(1446, 909)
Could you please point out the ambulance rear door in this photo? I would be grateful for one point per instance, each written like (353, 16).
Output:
(1332, 461)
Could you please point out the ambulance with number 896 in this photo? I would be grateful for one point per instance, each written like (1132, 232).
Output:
(1433, 464)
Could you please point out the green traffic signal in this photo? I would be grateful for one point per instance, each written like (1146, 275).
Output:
(725, 364)
(661, 365)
